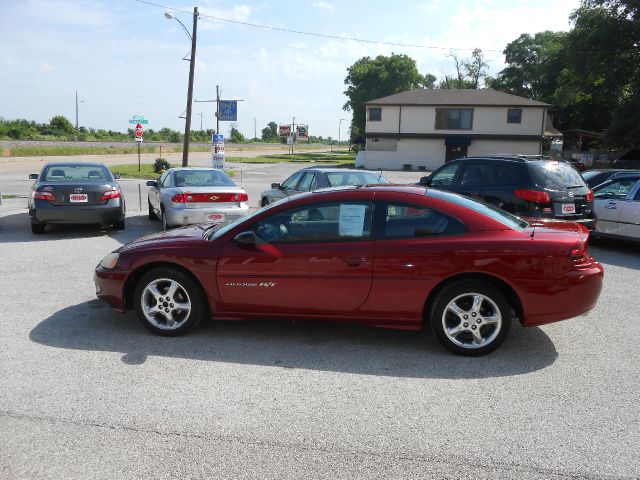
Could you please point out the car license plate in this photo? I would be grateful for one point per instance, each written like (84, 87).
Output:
(216, 217)
(79, 198)
(568, 208)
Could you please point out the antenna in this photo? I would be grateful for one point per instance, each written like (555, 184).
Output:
(533, 232)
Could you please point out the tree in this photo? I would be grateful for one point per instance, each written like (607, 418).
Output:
(61, 124)
(270, 132)
(368, 79)
(235, 136)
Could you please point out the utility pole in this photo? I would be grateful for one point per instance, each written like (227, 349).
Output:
(293, 134)
(218, 109)
(192, 65)
(76, 109)
(255, 128)
(201, 114)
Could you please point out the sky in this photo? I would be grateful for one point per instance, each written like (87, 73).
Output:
(124, 58)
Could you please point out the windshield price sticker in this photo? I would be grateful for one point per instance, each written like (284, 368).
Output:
(351, 221)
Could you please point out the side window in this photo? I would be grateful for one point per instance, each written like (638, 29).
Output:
(412, 221)
(475, 174)
(375, 114)
(326, 222)
(637, 197)
(444, 177)
(290, 183)
(166, 183)
(307, 181)
(507, 174)
(514, 115)
(617, 189)
(162, 178)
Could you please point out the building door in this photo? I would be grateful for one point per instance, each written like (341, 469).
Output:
(455, 151)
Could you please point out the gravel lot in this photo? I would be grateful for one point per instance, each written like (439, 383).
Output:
(86, 393)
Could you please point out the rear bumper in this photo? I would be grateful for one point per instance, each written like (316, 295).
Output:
(575, 296)
(110, 287)
(44, 213)
(195, 216)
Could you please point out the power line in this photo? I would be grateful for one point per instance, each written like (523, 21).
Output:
(315, 34)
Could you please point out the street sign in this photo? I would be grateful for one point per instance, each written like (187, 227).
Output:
(228, 110)
(289, 140)
(217, 138)
(136, 121)
(217, 151)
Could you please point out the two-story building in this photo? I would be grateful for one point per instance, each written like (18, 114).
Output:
(423, 128)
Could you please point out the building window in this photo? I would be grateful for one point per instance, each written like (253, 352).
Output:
(375, 114)
(514, 115)
(454, 118)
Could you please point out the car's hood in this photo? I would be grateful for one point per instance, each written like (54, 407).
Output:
(176, 236)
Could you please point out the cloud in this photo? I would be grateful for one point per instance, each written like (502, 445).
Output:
(239, 13)
(47, 67)
(324, 6)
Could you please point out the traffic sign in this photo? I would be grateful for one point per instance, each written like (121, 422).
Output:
(217, 138)
(142, 121)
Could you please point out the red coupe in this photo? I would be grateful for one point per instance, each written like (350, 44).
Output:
(387, 256)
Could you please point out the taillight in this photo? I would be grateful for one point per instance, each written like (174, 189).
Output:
(110, 194)
(590, 196)
(209, 197)
(579, 256)
(37, 195)
(533, 195)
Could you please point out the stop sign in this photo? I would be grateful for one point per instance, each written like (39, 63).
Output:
(138, 131)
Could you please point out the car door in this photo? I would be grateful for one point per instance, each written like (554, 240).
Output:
(307, 182)
(629, 216)
(290, 185)
(154, 192)
(445, 178)
(315, 259)
(166, 190)
(473, 179)
(608, 201)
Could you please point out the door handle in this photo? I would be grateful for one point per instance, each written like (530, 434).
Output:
(611, 206)
(354, 262)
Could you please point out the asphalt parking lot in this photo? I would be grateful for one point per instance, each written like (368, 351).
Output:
(86, 393)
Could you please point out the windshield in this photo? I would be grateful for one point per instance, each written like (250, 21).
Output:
(484, 208)
(202, 178)
(555, 175)
(341, 179)
(76, 173)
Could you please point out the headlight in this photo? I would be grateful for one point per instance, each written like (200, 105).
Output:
(110, 261)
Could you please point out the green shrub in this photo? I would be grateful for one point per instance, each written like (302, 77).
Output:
(160, 165)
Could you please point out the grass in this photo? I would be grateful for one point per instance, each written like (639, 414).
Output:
(333, 158)
(73, 150)
(8, 195)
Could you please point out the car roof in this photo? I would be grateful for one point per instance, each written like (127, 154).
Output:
(338, 169)
(75, 164)
(384, 187)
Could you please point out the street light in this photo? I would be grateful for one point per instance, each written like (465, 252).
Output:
(192, 60)
(340, 125)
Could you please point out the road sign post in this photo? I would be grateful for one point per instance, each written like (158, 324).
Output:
(217, 151)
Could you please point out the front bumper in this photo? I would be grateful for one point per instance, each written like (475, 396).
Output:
(110, 287)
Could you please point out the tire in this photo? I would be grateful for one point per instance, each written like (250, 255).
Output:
(119, 225)
(265, 202)
(171, 287)
(471, 318)
(37, 228)
(152, 213)
(163, 219)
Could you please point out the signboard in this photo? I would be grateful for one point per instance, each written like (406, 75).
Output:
(139, 131)
(217, 151)
(303, 133)
(289, 140)
(284, 130)
(138, 119)
(228, 110)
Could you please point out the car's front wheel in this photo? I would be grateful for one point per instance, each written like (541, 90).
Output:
(265, 202)
(471, 318)
(168, 302)
(152, 213)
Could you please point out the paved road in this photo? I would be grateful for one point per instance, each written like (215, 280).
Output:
(86, 393)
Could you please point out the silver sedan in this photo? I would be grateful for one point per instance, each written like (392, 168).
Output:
(186, 196)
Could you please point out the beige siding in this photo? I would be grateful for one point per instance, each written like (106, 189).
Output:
(388, 123)
(486, 120)
(488, 147)
(426, 153)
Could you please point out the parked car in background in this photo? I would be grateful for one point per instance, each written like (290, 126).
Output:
(186, 196)
(617, 208)
(75, 193)
(523, 186)
(389, 256)
(597, 176)
(314, 178)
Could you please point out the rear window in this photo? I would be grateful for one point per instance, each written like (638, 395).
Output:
(555, 175)
(76, 173)
(488, 210)
(339, 179)
(202, 178)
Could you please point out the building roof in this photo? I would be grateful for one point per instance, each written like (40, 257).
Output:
(455, 96)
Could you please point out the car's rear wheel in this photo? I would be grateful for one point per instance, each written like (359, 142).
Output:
(119, 225)
(37, 228)
(471, 318)
(168, 302)
(152, 213)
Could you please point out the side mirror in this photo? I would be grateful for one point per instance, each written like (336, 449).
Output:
(424, 181)
(116, 176)
(248, 239)
(33, 176)
(276, 186)
(152, 183)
